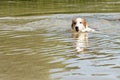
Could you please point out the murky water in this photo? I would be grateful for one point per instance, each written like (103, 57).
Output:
(38, 7)
(41, 48)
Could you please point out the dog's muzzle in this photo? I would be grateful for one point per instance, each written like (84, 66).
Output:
(76, 28)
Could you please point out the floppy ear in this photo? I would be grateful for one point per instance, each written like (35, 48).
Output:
(73, 23)
(84, 22)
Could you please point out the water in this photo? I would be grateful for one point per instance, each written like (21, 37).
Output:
(41, 48)
(43, 7)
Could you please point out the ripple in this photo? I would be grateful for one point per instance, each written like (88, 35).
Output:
(43, 46)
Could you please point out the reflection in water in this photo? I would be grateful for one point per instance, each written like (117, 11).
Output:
(80, 41)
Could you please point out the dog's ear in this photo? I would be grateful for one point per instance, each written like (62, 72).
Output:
(84, 22)
(73, 23)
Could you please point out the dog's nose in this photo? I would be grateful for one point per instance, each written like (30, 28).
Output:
(76, 28)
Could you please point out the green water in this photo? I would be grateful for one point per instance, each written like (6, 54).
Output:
(43, 48)
(38, 46)
(43, 7)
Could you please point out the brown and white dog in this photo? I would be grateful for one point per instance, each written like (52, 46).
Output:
(80, 25)
(80, 28)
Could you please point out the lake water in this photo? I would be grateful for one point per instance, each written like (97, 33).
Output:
(41, 48)
(36, 41)
(44, 7)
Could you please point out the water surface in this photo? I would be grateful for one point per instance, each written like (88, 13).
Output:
(43, 7)
(41, 48)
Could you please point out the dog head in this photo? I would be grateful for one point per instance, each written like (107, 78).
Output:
(78, 24)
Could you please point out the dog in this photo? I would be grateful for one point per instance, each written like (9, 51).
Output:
(80, 25)
(80, 28)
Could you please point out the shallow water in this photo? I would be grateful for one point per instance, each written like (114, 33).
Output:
(41, 48)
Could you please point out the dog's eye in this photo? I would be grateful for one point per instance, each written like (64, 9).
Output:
(80, 22)
(74, 23)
